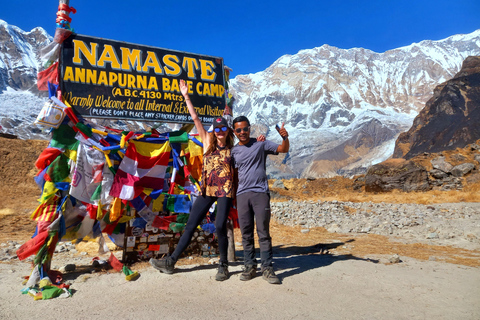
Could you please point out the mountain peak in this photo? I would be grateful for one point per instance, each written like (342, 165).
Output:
(328, 96)
(18, 30)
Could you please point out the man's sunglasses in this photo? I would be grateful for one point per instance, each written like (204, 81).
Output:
(245, 129)
(221, 128)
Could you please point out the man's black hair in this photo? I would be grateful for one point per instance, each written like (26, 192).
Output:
(240, 119)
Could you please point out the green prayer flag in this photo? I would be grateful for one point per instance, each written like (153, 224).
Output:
(84, 128)
(178, 137)
(59, 169)
(171, 203)
(177, 227)
(182, 218)
(97, 194)
(49, 292)
(64, 138)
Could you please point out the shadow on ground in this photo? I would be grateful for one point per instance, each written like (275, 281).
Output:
(296, 260)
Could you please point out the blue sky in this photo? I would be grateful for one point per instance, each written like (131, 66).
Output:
(251, 35)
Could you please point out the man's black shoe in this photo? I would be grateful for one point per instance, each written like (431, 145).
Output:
(248, 273)
(165, 265)
(269, 275)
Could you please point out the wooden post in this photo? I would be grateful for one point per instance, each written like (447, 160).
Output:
(231, 242)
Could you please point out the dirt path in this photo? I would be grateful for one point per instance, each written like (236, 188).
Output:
(324, 275)
(314, 286)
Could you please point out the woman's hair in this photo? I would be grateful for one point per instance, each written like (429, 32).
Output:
(213, 141)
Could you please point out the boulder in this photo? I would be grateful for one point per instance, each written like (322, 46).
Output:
(278, 184)
(441, 164)
(477, 158)
(401, 175)
(462, 169)
(438, 174)
(474, 146)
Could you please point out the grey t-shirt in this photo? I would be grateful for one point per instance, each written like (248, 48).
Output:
(250, 160)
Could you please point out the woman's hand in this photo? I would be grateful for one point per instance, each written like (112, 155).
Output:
(184, 88)
(261, 138)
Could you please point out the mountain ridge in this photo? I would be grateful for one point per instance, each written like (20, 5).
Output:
(330, 95)
(343, 108)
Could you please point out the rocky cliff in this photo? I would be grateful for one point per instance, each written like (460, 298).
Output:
(450, 118)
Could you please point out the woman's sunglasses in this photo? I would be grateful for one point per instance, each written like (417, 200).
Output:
(239, 130)
(221, 128)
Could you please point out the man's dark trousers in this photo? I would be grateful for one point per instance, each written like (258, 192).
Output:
(253, 206)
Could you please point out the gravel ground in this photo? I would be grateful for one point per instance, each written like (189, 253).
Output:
(456, 224)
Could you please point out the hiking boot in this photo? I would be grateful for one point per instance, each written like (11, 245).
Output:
(248, 273)
(222, 273)
(165, 265)
(269, 275)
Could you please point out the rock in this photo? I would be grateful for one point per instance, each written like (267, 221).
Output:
(474, 146)
(477, 158)
(305, 231)
(360, 179)
(334, 228)
(400, 175)
(70, 267)
(418, 221)
(276, 195)
(60, 248)
(438, 174)
(441, 164)
(394, 259)
(432, 235)
(459, 157)
(279, 184)
(462, 169)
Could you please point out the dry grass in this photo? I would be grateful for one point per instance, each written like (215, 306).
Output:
(319, 241)
(342, 189)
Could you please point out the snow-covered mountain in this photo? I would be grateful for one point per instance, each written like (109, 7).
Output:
(345, 108)
(20, 100)
(19, 56)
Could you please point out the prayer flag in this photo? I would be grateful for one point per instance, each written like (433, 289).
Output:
(143, 166)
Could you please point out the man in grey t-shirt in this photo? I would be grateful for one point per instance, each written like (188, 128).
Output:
(253, 197)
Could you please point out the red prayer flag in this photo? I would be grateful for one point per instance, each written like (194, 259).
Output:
(32, 246)
(115, 263)
(143, 166)
(163, 222)
(47, 75)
